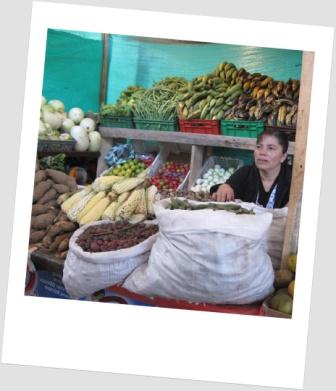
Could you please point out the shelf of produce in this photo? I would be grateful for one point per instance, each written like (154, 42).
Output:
(183, 138)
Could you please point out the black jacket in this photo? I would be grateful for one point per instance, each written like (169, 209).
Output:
(246, 184)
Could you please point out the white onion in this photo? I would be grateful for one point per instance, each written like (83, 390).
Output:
(67, 125)
(81, 137)
(95, 141)
(76, 114)
(57, 105)
(53, 119)
(88, 124)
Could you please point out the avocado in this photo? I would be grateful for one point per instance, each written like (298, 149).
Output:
(285, 304)
(282, 278)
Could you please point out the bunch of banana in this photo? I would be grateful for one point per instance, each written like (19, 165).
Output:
(208, 96)
(275, 112)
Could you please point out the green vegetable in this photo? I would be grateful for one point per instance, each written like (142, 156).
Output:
(56, 162)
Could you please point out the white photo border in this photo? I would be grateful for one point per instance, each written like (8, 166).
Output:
(155, 341)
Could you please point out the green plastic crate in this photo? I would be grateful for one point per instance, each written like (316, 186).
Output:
(243, 154)
(236, 128)
(117, 122)
(148, 124)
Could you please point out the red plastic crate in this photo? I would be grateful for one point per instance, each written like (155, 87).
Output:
(201, 126)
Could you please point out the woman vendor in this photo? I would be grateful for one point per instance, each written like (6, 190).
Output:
(267, 181)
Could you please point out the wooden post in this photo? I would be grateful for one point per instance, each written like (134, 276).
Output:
(197, 153)
(104, 72)
(106, 145)
(294, 205)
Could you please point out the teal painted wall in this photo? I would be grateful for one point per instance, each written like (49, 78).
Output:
(73, 64)
(72, 69)
(142, 63)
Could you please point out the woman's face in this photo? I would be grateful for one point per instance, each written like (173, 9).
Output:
(268, 153)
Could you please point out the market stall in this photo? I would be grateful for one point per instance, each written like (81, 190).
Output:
(125, 230)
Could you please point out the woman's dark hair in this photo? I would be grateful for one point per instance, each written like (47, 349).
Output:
(278, 134)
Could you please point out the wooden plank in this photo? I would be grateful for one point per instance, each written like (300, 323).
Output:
(184, 138)
(106, 145)
(196, 162)
(294, 205)
(103, 81)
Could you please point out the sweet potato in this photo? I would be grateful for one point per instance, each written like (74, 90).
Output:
(40, 189)
(61, 188)
(58, 240)
(61, 226)
(64, 244)
(61, 217)
(52, 203)
(38, 209)
(40, 176)
(42, 221)
(50, 195)
(61, 255)
(36, 236)
(61, 178)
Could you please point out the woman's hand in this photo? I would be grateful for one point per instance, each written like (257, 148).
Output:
(224, 193)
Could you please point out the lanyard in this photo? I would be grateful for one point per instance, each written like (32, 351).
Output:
(271, 199)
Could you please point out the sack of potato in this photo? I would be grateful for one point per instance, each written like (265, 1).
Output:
(50, 229)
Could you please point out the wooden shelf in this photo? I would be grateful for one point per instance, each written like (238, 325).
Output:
(184, 138)
(70, 154)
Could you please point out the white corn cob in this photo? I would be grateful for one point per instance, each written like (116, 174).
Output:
(110, 212)
(96, 212)
(71, 201)
(79, 206)
(127, 185)
(150, 197)
(128, 207)
(93, 201)
(142, 205)
(104, 183)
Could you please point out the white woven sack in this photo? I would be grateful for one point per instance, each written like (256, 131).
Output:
(85, 273)
(207, 256)
(274, 238)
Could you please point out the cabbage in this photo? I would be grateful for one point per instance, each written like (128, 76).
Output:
(57, 105)
(95, 141)
(81, 137)
(88, 124)
(76, 114)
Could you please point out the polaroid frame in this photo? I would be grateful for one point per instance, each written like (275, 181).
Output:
(155, 341)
